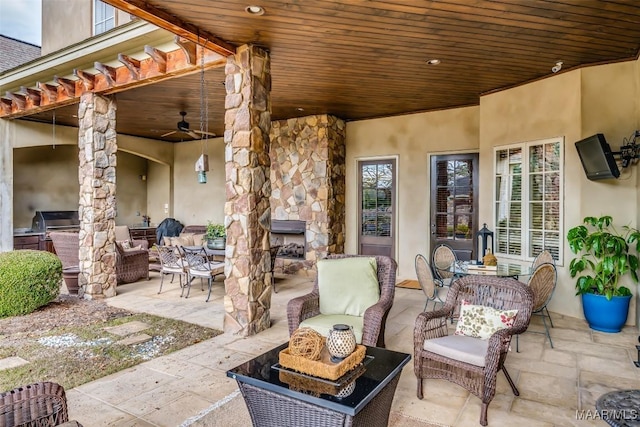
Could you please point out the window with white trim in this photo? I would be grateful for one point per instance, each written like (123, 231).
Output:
(104, 17)
(528, 199)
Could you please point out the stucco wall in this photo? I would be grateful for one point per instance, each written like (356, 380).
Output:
(198, 203)
(65, 22)
(575, 104)
(411, 139)
(159, 185)
(43, 180)
(46, 178)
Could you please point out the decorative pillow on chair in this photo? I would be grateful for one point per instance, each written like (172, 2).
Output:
(348, 285)
(185, 239)
(198, 239)
(480, 321)
(124, 244)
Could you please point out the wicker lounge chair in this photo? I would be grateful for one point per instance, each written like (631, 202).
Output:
(471, 362)
(42, 404)
(375, 317)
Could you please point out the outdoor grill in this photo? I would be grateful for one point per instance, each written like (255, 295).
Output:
(45, 222)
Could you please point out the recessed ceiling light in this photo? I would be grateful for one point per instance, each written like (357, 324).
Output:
(433, 61)
(300, 109)
(254, 10)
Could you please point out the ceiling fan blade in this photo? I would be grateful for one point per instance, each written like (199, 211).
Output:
(168, 133)
(192, 134)
(201, 132)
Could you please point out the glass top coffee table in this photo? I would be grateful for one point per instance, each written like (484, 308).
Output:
(276, 396)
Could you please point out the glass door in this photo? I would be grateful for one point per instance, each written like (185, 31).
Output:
(454, 187)
(376, 216)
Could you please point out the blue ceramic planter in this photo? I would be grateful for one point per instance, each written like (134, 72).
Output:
(605, 315)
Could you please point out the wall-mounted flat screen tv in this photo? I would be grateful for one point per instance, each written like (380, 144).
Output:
(597, 158)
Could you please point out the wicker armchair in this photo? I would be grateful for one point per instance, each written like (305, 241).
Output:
(472, 363)
(131, 265)
(123, 233)
(66, 246)
(40, 404)
(375, 317)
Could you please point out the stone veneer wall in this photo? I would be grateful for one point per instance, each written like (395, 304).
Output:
(97, 211)
(247, 120)
(308, 184)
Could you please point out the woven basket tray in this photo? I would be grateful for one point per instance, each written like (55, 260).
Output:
(306, 384)
(323, 368)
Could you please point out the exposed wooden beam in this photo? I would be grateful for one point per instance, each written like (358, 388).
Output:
(171, 23)
(68, 86)
(107, 71)
(33, 94)
(50, 91)
(88, 79)
(158, 56)
(18, 99)
(158, 67)
(189, 48)
(132, 64)
(6, 105)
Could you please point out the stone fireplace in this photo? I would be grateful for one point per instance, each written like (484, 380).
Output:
(290, 236)
(308, 185)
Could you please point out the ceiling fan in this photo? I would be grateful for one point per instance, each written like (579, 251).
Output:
(183, 127)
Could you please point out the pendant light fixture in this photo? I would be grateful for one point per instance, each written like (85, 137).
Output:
(202, 164)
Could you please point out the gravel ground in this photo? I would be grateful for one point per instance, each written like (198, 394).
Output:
(65, 310)
(65, 341)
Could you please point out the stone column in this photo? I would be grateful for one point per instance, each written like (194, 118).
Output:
(247, 122)
(97, 176)
(7, 136)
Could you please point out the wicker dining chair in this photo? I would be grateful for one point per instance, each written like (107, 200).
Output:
(443, 260)
(542, 258)
(374, 318)
(471, 362)
(431, 287)
(42, 404)
(543, 283)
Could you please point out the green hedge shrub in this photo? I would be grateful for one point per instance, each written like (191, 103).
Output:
(28, 280)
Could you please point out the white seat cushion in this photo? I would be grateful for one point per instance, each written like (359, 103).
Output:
(459, 347)
(323, 323)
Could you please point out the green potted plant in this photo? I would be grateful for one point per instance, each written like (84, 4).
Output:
(216, 235)
(605, 256)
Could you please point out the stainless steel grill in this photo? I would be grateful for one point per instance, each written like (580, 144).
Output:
(47, 221)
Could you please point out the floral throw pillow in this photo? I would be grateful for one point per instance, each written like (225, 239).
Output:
(479, 321)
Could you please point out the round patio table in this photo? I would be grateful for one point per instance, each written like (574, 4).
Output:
(620, 408)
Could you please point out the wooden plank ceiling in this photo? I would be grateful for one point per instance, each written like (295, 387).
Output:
(360, 59)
